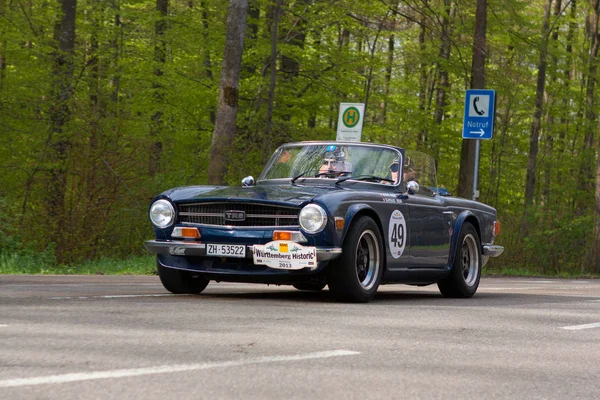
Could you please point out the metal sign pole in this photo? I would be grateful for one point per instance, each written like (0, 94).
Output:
(476, 171)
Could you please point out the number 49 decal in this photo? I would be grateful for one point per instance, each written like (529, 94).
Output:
(397, 234)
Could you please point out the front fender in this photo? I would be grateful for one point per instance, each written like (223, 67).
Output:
(352, 212)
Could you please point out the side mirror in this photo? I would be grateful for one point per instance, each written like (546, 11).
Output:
(412, 187)
(248, 181)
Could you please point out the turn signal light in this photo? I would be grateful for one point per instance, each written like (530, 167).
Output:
(282, 235)
(186, 232)
(497, 228)
(191, 233)
(294, 236)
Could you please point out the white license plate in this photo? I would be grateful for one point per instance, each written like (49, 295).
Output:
(226, 250)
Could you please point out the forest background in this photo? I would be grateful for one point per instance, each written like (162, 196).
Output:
(104, 104)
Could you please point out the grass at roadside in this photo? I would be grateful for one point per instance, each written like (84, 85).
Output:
(22, 264)
(526, 272)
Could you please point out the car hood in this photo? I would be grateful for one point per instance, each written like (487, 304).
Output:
(289, 194)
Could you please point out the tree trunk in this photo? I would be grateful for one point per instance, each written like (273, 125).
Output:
(444, 82)
(372, 61)
(224, 132)
(295, 37)
(388, 77)
(539, 104)
(207, 61)
(115, 44)
(253, 19)
(590, 125)
(421, 138)
(2, 51)
(160, 57)
(549, 161)
(592, 116)
(272, 82)
(60, 141)
(467, 155)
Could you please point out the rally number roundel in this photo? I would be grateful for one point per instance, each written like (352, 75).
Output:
(397, 234)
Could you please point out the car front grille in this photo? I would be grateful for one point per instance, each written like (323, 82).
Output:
(255, 214)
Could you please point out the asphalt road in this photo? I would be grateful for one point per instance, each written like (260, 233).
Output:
(109, 337)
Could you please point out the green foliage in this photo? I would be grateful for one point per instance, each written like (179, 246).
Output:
(19, 264)
(138, 125)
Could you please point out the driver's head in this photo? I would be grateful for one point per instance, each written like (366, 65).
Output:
(395, 170)
(329, 163)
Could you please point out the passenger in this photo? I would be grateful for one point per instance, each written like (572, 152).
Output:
(395, 171)
(409, 174)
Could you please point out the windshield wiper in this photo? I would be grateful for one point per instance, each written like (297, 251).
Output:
(364, 178)
(319, 174)
(332, 173)
(299, 176)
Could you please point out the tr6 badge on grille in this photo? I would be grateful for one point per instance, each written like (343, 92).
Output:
(233, 215)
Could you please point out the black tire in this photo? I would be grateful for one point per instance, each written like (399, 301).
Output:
(356, 274)
(181, 282)
(310, 287)
(463, 280)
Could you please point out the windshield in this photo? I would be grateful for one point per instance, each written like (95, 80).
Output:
(333, 161)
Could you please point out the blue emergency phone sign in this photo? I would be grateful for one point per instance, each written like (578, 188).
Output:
(478, 122)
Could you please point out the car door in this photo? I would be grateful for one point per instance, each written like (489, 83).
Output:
(429, 230)
(394, 216)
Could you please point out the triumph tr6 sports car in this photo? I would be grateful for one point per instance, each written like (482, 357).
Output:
(347, 215)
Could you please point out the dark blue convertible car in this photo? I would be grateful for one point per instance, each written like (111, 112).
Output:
(347, 215)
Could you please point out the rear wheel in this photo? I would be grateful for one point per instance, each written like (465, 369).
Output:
(181, 282)
(356, 274)
(463, 280)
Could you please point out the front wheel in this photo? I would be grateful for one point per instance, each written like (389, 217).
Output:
(463, 280)
(356, 274)
(180, 282)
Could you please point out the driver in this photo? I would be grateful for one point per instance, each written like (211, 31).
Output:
(334, 164)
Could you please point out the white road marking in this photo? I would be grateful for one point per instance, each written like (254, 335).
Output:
(514, 288)
(164, 369)
(84, 284)
(114, 296)
(3, 325)
(580, 327)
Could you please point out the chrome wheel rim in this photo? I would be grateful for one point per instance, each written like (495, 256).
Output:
(469, 260)
(368, 260)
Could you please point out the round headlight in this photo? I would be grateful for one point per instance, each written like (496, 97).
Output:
(313, 218)
(162, 214)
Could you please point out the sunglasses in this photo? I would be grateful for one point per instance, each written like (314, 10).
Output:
(394, 168)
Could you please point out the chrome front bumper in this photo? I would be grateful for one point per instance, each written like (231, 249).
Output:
(492, 250)
(181, 248)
